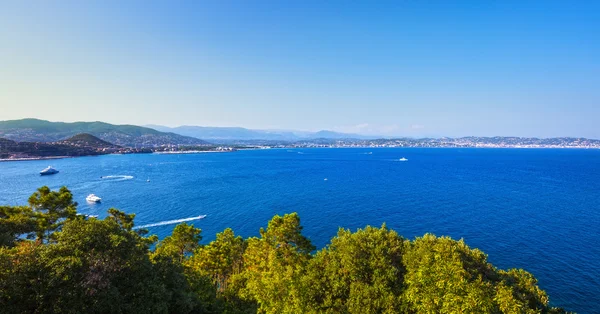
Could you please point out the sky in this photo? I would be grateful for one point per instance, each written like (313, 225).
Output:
(395, 68)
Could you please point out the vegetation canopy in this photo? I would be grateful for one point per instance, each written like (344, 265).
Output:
(53, 260)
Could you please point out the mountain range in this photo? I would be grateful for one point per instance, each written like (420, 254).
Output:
(134, 138)
(35, 130)
(228, 134)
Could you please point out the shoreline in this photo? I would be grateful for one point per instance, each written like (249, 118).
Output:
(36, 158)
(300, 147)
(191, 152)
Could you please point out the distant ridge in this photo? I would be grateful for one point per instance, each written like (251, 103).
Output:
(35, 130)
(237, 133)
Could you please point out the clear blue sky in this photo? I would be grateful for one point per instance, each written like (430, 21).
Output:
(415, 68)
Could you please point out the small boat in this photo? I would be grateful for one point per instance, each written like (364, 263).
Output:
(325, 179)
(148, 180)
(92, 198)
(402, 159)
(88, 216)
(48, 171)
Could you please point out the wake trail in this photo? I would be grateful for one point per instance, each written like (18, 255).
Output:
(169, 222)
(116, 178)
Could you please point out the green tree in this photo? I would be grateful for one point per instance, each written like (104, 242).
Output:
(359, 272)
(183, 241)
(51, 209)
(15, 222)
(186, 292)
(91, 266)
(100, 266)
(274, 264)
(23, 278)
(221, 261)
(446, 276)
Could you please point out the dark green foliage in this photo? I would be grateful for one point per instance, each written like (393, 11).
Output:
(35, 149)
(81, 265)
(91, 266)
(14, 222)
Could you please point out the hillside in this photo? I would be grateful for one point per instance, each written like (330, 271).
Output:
(12, 149)
(85, 139)
(34, 130)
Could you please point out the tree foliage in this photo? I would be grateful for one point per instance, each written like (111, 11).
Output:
(359, 272)
(88, 265)
(51, 209)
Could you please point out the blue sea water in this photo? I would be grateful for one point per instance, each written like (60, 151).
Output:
(537, 209)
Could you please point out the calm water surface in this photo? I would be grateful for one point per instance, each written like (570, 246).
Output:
(526, 208)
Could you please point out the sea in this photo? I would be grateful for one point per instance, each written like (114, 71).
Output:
(537, 209)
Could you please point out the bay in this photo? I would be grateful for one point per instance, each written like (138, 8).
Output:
(537, 209)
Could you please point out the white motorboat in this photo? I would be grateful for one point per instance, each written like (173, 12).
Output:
(92, 198)
(49, 170)
(402, 159)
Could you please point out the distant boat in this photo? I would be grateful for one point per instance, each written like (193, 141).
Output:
(148, 180)
(92, 198)
(325, 179)
(402, 159)
(48, 171)
(88, 216)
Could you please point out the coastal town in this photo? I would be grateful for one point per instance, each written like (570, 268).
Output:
(463, 142)
(88, 145)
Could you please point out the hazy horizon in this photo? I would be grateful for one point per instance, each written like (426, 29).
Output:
(387, 69)
(306, 132)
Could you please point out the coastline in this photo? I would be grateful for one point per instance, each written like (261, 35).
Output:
(192, 152)
(312, 147)
(34, 158)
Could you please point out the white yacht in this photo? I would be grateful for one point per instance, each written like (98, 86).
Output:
(92, 198)
(49, 170)
(402, 159)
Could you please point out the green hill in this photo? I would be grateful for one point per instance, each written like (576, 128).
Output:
(12, 149)
(85, 139)
(35, 130)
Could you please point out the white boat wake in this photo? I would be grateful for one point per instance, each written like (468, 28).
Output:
(169, 222)
(116, 178)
